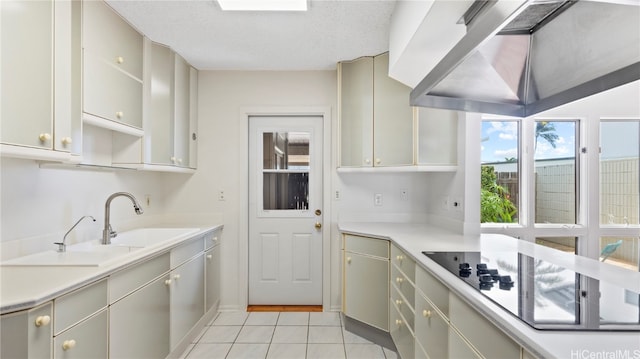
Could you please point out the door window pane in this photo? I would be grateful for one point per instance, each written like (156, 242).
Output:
(285, 170)
(555, 171)
(619, 183)
(500, 181)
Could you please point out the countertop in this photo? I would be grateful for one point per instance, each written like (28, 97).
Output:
(25, 287)
(415, 238)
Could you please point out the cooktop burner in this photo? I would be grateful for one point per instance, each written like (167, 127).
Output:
(542, 294)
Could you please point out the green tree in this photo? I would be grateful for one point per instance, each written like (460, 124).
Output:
(495, 205)
(547, 131)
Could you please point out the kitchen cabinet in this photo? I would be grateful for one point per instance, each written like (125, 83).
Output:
(187, 297)
(158, 124)
(87, 339)
(212, 271)
(402, 308)
(27, 334)
(112, 71)
(366, 280)
(139, 313)
(437, 138)
(39, 56)
(376, 121)
(182, 108)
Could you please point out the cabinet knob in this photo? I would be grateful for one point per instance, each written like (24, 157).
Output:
(209, 256)
(426, 313)
(367, 161)
(173, 159)
(167, 282)
(398, 302)
(398, 322)
(44, 137)
(68, 344)
(66, 140)
(348, 259)
(399, 280)
(120, 59)
(176, 277)
(399, 258)
(215, 239)
(42, 320)
(119, 114)
(378, 161)
(179, 160)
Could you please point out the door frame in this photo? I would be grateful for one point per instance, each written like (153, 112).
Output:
(243, 213)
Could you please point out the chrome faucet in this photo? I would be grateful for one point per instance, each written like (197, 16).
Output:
(108, 232)
(62, 246)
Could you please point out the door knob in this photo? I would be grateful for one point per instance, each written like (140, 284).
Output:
(318, 225)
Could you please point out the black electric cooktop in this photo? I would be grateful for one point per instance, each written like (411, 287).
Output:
(542, 294)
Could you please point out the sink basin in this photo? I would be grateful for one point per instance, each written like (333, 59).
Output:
(75, 256)
(94, 254)
(144, 237)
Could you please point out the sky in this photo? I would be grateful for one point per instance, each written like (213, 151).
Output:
(499, 140)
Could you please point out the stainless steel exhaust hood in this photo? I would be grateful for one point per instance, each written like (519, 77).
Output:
(519, 58)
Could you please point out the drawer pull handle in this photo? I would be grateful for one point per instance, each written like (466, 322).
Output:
(426, 313)
(348, 259)
(209, 256)
(67, 141)
(367, 161)
(378, 161)
(119, 114)
(399, 280)
(398, 322)
(44, 137)
(42, 320)
(68, 344)
(120, 59)
(167, 282)
(398, 302)
(176, 277)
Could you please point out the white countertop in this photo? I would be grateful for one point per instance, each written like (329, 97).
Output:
(415, 238)
(24, 287)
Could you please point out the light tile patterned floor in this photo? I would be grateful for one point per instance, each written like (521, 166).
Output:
(282, 335)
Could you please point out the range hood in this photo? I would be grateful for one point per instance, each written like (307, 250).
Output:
(522, 57)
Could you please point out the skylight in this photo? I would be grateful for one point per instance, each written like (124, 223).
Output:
(263, 5)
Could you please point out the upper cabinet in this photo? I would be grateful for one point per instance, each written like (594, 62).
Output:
(379, 129)
(36, 35)
(375, 117)
(112, 72)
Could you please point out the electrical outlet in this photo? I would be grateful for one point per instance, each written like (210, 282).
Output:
(377, 199)
(337, 195)
(404, 194)
(221, 196)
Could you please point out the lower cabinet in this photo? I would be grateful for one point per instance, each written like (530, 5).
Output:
(27, 334)
(212, 278)
(139, 325)
(366, 280)
(401, 334)
(88, 339)
(187, 297)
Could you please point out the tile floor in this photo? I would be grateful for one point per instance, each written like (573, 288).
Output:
(282, 335)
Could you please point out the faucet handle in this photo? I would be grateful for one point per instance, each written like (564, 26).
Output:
(61, 247)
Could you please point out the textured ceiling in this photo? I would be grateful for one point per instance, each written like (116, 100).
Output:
(211, 39)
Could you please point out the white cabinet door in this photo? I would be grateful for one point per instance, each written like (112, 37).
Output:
(27, 73)
(392, 117)
(86, 340)
(27, 334)
(401, 335)
(181, 119)
(159, 117)
(187, 297)
(437, 136)
(193, 118)
(366, 289)
(431, 330)
(139, 323)
(356, 112)
(212, 277)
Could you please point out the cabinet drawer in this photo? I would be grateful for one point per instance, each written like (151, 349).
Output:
(403, 307)
(403, 284)
(186, 251)
(431, 329)
(404, 262)
(111, 94)
(401, 334)
(79, 304)
(490, 341)
(212, 239)
(130, 279)
(86, 340)
(365, 245)
(111, 38)
(433, 290)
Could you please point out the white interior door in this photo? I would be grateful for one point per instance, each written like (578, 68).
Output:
(285, 210)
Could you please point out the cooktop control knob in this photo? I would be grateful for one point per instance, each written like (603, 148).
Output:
(505, 282)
